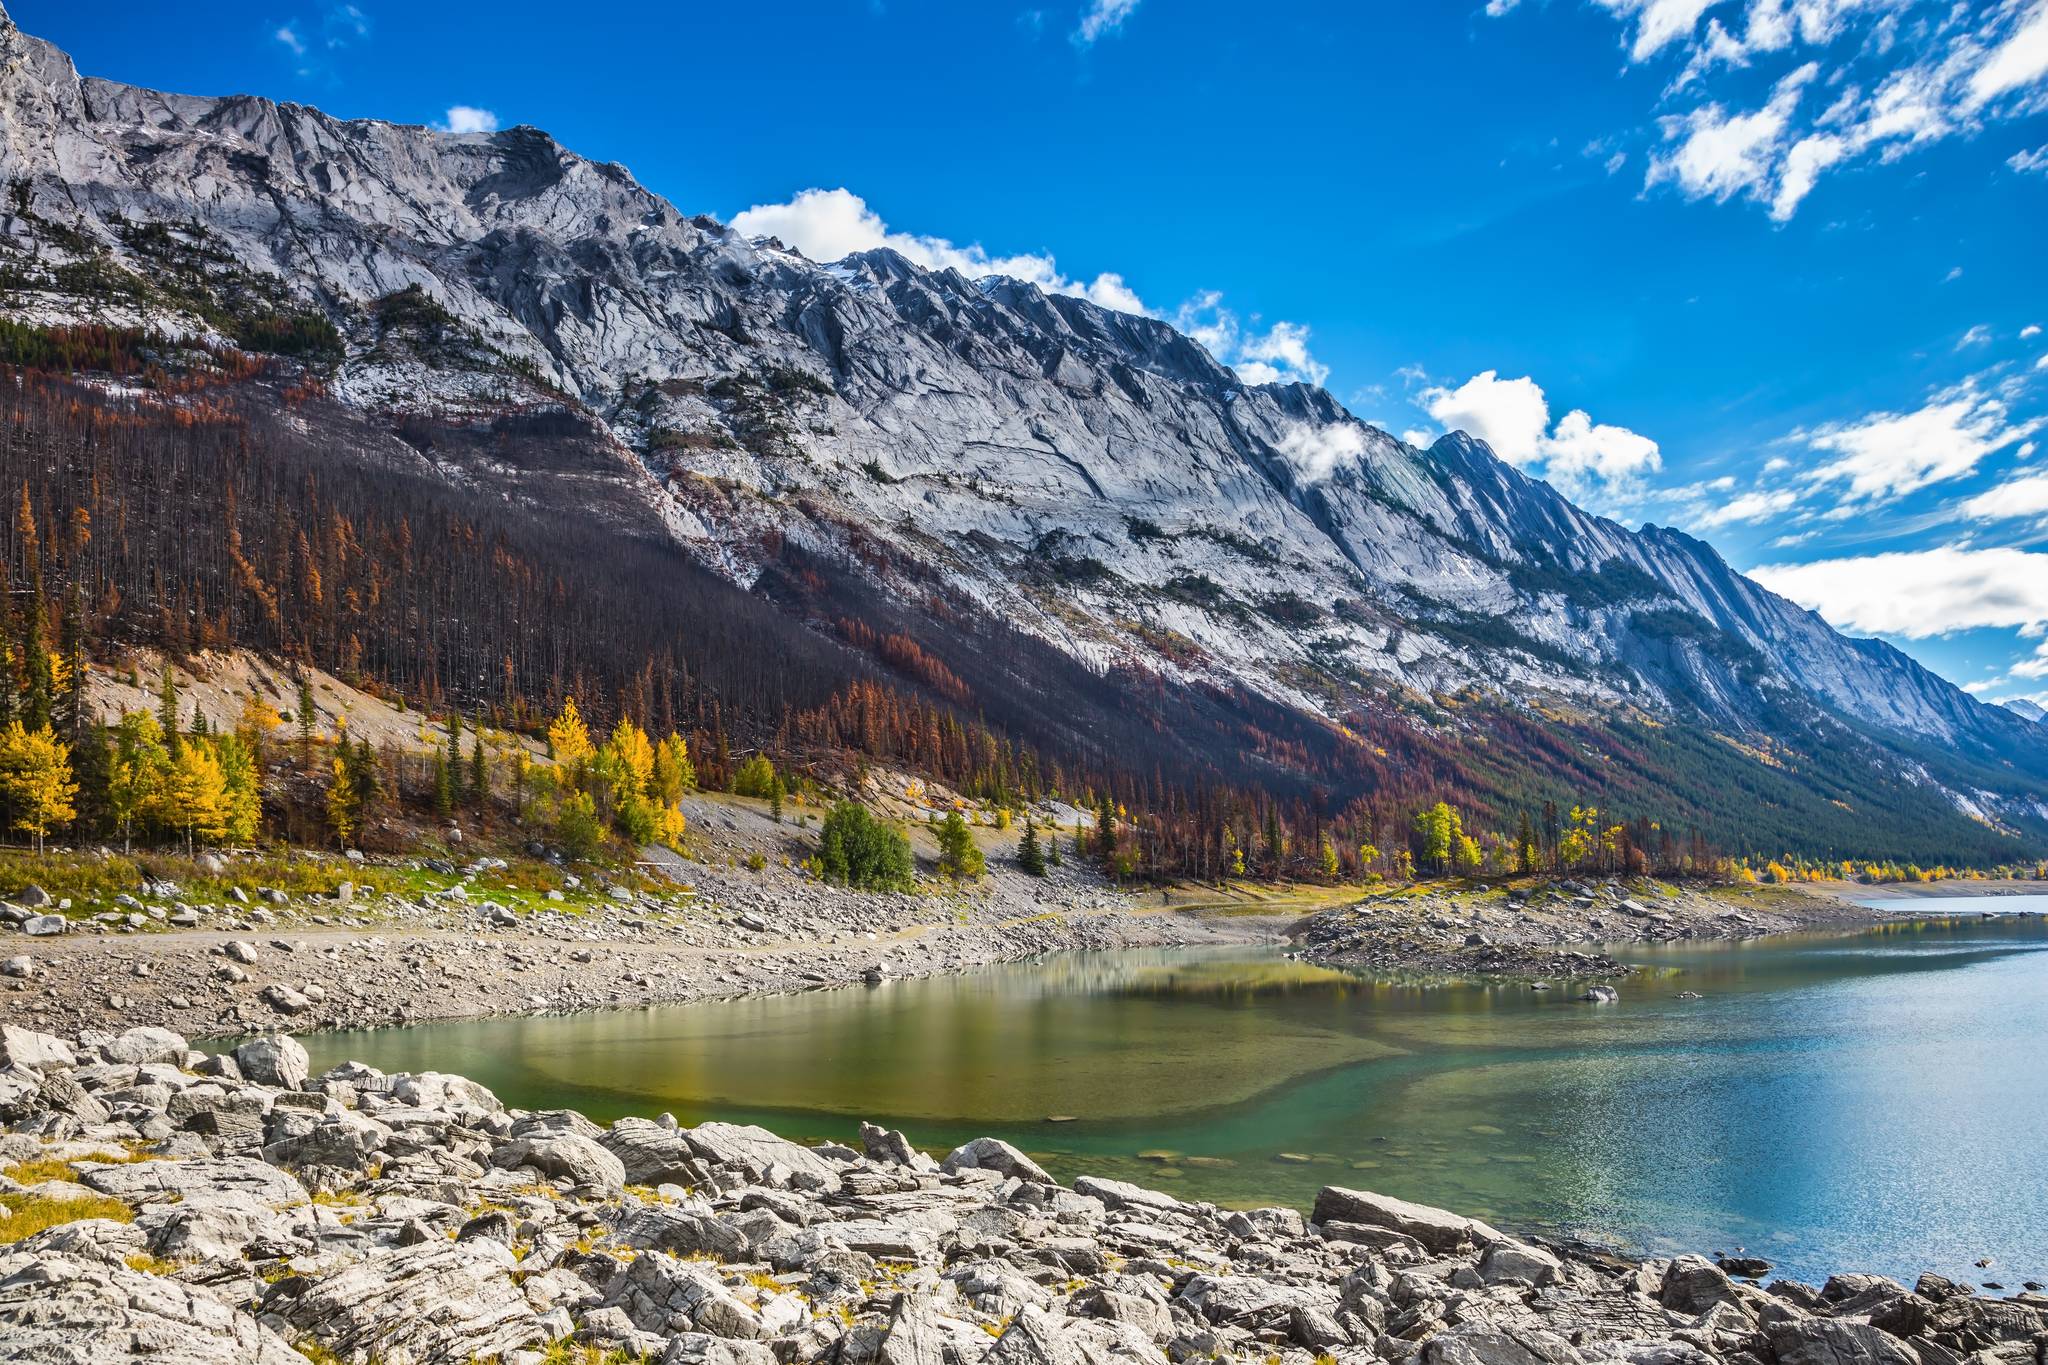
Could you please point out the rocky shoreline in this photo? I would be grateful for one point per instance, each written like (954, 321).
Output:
(392, 959)
(1555, 929)
(194, 1209)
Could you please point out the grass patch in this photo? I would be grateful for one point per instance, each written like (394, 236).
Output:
(150, 1265)
(25, 1215)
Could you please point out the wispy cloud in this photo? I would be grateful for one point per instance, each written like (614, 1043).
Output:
(1848, 80)
(1102, 18)
(829, 225)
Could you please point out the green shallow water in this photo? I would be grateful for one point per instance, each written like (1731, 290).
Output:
(1873, 1100)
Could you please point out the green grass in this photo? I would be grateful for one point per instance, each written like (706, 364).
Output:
(25, 1215)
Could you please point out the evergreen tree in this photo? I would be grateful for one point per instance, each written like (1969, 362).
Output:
(775, 793)
(92, 763)
(1052, 848)
(34, 646)
(959, 859)
(1105, 836)
(168, 722)
(307, 718)
(1525, 846)
(479, 772)
(71, 720)
(1030, 858)
(444, 785)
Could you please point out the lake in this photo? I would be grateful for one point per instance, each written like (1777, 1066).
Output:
(1869, 1100)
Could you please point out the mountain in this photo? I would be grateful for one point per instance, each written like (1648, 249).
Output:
(2027, 710)
(1077, 523)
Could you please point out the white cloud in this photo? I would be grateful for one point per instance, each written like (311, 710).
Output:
(1659, 23)
(1885, 454)
(1980, 335)
(464, 118)
(289, 36)
(1918, 593)
(2019, 61)
(1900, 75)
(1752, 507)
(1102, 17)
(1281, 352)
(2029, 332)
(2026, 496)
(829, 225)
(1513, 417)
(1315, 452)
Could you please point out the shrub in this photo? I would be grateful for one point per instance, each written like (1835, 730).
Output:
(857, 850)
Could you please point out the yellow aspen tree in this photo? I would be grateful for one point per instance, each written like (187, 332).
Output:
(196, 795)
(35, 774)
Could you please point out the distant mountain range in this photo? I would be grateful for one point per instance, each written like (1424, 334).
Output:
(1048, 497)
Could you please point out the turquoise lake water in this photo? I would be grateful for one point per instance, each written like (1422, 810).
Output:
(1871, 1100)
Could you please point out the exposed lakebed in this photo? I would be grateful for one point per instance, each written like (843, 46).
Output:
(1871, 1100)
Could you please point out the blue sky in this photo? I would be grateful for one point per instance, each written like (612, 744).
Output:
(1771, 271)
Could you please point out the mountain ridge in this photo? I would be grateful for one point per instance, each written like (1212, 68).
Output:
(1093, 479)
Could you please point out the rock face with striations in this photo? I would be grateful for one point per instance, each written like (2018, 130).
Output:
(1093, 477)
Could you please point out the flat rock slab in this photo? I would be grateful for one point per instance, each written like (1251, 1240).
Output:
(61, 1309)
(436, 1301)
(235, 1180)
(1437, 1229)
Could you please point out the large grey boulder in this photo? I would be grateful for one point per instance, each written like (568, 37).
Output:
(682, 1232)
(1121, 1194)
(278, 1060)
(1437, 1229)
(39, 1051)
(756, 1151)
(994, 1154)
(45, 926)
(234, 1180)
(1503, 1347)
(563, 1156)
(1824, 1341)
(1511, 1262)
(1694, 1284)
(75, 1309)
(661, 1294)
(142, 1046)
(652, 1154)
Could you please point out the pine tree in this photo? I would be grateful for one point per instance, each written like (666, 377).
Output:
(308, 719)
(35, 780)
(1105, 836)
(444, 785)
(959, 859)
(71, 720)
(479, 772)
(1052, 848)
(34, 646)
(775, 793)
(168, 711)
(1525, 846)
(1030, 858)
(92, 763)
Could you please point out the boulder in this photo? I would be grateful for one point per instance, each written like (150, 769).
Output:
(563, 1156)
(39, 1051)
(45, 926)
(1481, 1346)
(751, 1150)
(1510, 1262)
(1436, 1229)
(1693, 1284)
(277, 1060)
(652, 1154)
(236, 1181)
(142, 1046)
(1823, 1341)
(993, 1154)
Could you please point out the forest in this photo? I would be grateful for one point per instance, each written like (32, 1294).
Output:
(209, 498)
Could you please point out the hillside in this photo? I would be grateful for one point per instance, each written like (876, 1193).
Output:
(584, 443)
